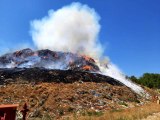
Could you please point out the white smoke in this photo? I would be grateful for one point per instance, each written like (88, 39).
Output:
(75, 28)
(114, 72)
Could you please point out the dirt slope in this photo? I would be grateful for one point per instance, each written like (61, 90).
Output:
(58, 93)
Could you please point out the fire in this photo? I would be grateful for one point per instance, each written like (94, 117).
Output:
(49, 59)
(87, 58)
(87, 68)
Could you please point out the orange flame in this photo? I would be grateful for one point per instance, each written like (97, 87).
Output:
(87, 58)
(87, 67)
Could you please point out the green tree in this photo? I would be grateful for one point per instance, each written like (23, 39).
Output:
(150, 80)
(134, 79)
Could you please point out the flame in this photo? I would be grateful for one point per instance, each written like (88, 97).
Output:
(87, 68)
(87, 58)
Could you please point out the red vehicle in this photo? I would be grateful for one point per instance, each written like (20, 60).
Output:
(8, 112)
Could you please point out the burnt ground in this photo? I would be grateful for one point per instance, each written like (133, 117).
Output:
(58, 93)
(36, 75)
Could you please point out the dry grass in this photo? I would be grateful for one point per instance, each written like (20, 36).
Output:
(135, 113)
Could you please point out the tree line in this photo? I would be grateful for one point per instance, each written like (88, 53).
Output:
(150, 80)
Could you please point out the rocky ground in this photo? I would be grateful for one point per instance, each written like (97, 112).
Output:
(57, 93)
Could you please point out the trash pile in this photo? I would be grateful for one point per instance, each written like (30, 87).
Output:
(58, 93)
(60, 99)
(48, 59)
(57, 84)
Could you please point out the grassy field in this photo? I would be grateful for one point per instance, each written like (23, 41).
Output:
(135, 113)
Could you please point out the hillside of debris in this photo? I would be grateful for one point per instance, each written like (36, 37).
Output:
(59, 99)
(57, 84)
(59, 93)
(48, 59)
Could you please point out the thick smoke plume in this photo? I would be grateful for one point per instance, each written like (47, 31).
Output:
(75, 28)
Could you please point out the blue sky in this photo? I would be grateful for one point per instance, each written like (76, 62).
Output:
(130, 29)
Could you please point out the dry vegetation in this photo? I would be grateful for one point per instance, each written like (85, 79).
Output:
(135, 113)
